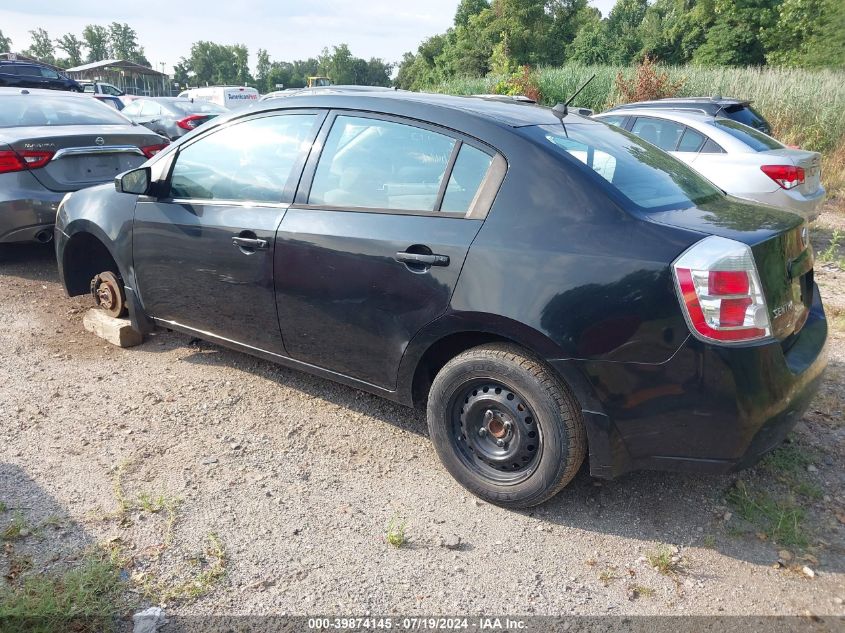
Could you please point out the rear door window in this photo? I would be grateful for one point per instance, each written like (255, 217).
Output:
(378, 164)
(664, 134)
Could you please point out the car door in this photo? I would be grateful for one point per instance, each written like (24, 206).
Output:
(203, 252)
(51, 79)
(372, 248)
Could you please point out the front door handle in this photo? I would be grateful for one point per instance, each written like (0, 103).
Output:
(251, 243)
(421, 259)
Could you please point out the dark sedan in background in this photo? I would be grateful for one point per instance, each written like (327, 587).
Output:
(171, 116)
(550, 288)
(55, 142)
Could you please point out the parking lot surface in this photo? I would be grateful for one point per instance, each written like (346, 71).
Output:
(226, 484)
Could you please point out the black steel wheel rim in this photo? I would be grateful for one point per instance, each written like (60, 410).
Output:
(495, 432)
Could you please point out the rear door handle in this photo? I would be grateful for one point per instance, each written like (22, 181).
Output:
(251, 243)
(419, 258)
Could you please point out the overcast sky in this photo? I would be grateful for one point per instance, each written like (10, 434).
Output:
(288, 30)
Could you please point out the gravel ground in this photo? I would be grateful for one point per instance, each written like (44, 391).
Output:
(167, 449)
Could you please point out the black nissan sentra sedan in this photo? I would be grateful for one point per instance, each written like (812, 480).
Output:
(551, 288)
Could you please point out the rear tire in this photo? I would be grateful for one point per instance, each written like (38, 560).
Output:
(505, 425)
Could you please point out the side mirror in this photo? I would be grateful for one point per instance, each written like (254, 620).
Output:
(135, 181)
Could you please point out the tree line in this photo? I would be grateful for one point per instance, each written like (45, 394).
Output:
(216, 64)
(97, 42)
(208, 63)
(499, 36)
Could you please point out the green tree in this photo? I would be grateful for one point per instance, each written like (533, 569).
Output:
(41, 47)
(590, 44)
(96, 39)
(262, 70)
(5, 43)
(214, 64)
(826, 47)
(623, 30)
(734, 39)
(72, 47)
(467, 9)
(798, 22)
(123, 44)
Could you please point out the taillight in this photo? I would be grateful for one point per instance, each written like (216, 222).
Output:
(190, 122)
(787, 176)
(21, 161)
(152, 150)
(720, 292)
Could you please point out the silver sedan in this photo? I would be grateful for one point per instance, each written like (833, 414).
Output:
(738, 159)
(172, 117)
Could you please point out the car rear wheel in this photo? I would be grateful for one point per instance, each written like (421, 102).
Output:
(108, 293)
(505, 425)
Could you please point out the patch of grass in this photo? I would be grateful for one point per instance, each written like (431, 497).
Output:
(213, 558)
(395, 535)
(709, 541)
(663, 561)
(52, 521)
(787, 458)
(831, 253)
(608, 576)
(85, 598)
(3, 506)
(779, 519)
(16, 526)
(637, 591)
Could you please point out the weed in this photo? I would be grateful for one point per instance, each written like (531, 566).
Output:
(831, 253)
(664, 561)
(3, 506)
(396, 532)
(214, 557)
(608, 576)
(648, 83)
(636, 591)
(52, 521)
(778, 519)
(84, 598)
(16, 526)
(787, 459)
(709, 541)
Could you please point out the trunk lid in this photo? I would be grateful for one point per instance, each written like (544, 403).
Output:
(780, 243)
(83, 155)
(809, 161)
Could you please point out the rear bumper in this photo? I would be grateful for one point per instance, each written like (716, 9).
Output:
(27, 210)
(708, 409)
(808, 206)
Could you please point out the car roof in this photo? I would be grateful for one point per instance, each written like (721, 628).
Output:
(509, 113)
(681, 116)
(43, 92)
(710, 105)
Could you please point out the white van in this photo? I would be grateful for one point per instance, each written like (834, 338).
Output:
(231, 97)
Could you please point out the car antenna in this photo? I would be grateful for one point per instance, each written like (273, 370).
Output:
(562, 109)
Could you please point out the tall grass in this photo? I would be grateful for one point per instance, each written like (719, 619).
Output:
(806, 108)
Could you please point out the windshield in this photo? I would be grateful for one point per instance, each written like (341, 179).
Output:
(26, 110)
(197, 107)
(642, 174)
(755, 139)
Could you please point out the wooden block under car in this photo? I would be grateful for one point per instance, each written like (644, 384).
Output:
(116, 331)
